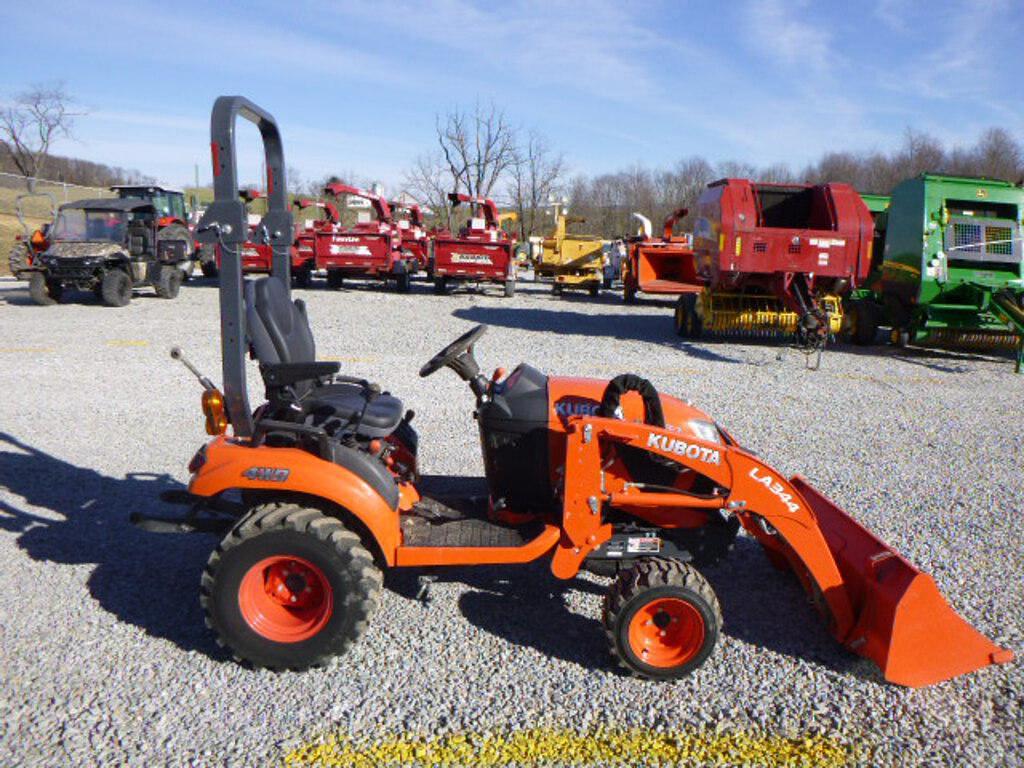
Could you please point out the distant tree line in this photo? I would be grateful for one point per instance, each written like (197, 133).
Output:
(72, 170)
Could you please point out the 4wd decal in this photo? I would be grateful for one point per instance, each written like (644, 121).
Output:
(267, 474)
(683, 448)
(775, 487)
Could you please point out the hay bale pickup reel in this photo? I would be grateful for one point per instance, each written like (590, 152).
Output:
(605, 475)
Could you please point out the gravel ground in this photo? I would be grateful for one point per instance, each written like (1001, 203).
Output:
(105, 659)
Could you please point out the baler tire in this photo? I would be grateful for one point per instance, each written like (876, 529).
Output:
(116, 288)
(44, 292)
(864, 323)
(687, 322)
(346, 579)
(686, 596)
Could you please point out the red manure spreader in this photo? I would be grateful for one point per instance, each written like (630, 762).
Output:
(482, 251)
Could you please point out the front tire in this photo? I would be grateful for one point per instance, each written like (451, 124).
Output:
(289, 588)
(402, 282)
(116, 288)
(44, 292)
(303, 275)
(661, 618)
(440, 285)
(335, 279)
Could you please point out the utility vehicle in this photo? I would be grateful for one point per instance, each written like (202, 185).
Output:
(110, 247)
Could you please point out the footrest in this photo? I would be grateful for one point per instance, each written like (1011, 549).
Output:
(465, 532)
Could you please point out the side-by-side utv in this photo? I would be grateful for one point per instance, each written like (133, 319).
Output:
(110, 247)
(590, 474)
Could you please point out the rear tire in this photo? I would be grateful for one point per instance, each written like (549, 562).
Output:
(335, 279)
(440, 285)
(116, 288)
(687, 322)
(510, 289)
(661, 618)
(44, 292)
(403, 282)
(556, 289)
(20, 259)
(593, 291)
(168, 282)
(629, 294)
(209, 269)
(289, 588)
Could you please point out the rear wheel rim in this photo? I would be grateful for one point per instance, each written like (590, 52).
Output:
(285, 599)
(666, 632)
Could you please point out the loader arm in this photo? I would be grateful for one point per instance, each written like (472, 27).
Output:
(874, 602)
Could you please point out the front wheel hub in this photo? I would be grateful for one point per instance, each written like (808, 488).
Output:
(285, 599)
(667, 632)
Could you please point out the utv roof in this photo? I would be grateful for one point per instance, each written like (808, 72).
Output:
(111, 204)
(148, 188)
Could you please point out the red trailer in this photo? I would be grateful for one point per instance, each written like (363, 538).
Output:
(306, 233)
(776, 257)
(415, 240)
(660, 265)
(370, 249)
(482, 251)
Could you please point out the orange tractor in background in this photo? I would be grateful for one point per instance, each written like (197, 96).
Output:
(604, 475)
(659, 266)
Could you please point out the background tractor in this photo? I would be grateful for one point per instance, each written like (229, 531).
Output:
(30, 243)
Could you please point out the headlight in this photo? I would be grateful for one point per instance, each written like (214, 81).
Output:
(705, 430)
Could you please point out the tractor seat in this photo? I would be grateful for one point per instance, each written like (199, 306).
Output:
(279, 332)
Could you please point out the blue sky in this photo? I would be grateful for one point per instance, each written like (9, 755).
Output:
(355, 85)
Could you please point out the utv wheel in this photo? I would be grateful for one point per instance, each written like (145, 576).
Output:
(662, 619)
(168, 282)
(687, 322)
(44, 292)
(209, 269)
(335, 279)
(510, 289)
(20, 258)
(289, 588)
(116, 288)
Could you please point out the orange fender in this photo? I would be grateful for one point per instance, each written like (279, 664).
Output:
(291, 470)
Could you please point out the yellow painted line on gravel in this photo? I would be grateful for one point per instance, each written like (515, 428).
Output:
(127, 343)
(560, 746)
(16, 350)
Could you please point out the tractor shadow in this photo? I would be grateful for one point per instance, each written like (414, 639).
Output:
(653, 329)
(145, 579)
(523, 605)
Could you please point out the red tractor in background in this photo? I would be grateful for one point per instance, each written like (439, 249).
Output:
(30, 243)
(371, 248)
(482, 251)
(306, 233)
(664, 265)
(415, 240)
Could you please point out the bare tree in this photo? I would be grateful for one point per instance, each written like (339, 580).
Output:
(429, 181)
(29, 126)
(479, 148)
(534, 178)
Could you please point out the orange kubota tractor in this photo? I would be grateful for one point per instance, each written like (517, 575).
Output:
(605, 475)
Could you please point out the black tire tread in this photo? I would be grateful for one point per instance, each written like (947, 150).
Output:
(328, 529)
(649, 573)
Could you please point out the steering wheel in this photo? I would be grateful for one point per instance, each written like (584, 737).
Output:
(450, 353)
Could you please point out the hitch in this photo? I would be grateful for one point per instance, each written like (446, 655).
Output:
(204, 515)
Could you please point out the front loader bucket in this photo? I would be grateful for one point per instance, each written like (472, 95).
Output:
(902, 622)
